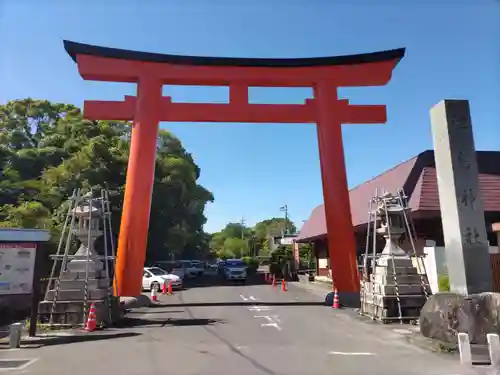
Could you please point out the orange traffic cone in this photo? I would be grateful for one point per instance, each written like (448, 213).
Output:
(283, 285)
(274, 281)
(91, 324)
(154, 297)
(169, 292)
(164, 288)
(336, 302)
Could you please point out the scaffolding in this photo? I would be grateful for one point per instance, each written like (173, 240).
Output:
(394, 286)
(85, 277)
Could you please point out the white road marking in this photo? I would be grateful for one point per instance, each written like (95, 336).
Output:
(273, 318)
(402, 331)
(259, 308)
(273, 321)
(30, 362)
(253, 298)
(267, 317)
(243, 297)
(275, 325)
(354, 354)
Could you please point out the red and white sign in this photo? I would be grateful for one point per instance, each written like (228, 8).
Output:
(17, 266)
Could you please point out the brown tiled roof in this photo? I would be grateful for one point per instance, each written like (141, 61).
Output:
(417, 177)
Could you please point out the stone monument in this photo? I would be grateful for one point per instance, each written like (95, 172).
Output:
(84, 276)
(394, 290)
(462, 214)
(470, 307)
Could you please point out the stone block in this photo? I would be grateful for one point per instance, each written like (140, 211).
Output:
(80, 284)
(78, 294)
(382, 270)
(416, 301)
(402, 289)
(401, 279)
(74, 275)
(446, 314)
(394, 262)
(71, 312)
(77, 265)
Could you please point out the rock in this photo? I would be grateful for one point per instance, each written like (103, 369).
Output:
(135, 302)
(444, 315)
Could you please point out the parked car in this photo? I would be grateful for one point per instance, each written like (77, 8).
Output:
(189, 269)
(173, 267)
(235, 270)
(220, 267)
(155, 277)
(200, 266)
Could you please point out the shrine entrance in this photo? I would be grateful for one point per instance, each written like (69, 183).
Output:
(151, 71)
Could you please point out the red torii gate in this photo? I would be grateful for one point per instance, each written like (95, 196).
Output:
(151, 71)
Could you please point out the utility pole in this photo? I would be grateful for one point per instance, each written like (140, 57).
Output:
(285, 210)
(243, 222)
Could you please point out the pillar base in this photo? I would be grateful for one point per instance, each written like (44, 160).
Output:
(347, 299)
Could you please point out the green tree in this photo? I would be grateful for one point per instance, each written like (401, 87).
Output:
(273, 227)
(48, 149)
(235, 246)
(264, 247)
(265, 229)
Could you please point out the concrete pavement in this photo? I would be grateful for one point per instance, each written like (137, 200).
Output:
(246, 330)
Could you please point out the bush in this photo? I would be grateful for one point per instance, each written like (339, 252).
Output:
(252, 264)
(444, 283)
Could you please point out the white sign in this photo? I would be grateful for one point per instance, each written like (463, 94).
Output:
(17, 264)
(287, 240)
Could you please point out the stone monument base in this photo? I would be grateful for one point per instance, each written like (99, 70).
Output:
(444, 315)
(394, 292)
(68, 314)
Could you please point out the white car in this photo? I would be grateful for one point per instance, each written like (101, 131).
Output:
(235, 269)
(155, 277)
(173, 267)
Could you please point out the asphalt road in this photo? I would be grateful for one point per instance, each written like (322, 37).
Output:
(213, 328)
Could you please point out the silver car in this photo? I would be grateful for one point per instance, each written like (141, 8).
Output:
(235, 270)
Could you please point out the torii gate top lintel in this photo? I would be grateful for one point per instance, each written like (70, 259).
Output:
(119, 65)
(74, 49)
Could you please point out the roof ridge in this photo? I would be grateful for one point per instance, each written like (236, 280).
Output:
(390, 169)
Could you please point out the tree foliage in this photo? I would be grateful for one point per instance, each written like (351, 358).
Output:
(48, 149)
(236, 240)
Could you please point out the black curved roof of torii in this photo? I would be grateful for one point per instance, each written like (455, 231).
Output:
(75, 49)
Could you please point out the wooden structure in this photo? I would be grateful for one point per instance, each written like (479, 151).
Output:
(151, 71)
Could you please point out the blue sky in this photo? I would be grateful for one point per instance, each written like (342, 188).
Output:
(253, 169)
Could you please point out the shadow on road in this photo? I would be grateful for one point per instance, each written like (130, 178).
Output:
(239, 303)
(155, 312)
(84, 337)
(141, 322)
(215, 280)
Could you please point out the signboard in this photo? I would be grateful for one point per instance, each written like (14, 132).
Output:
(287, 240)
(17, 265)
(296, 252)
